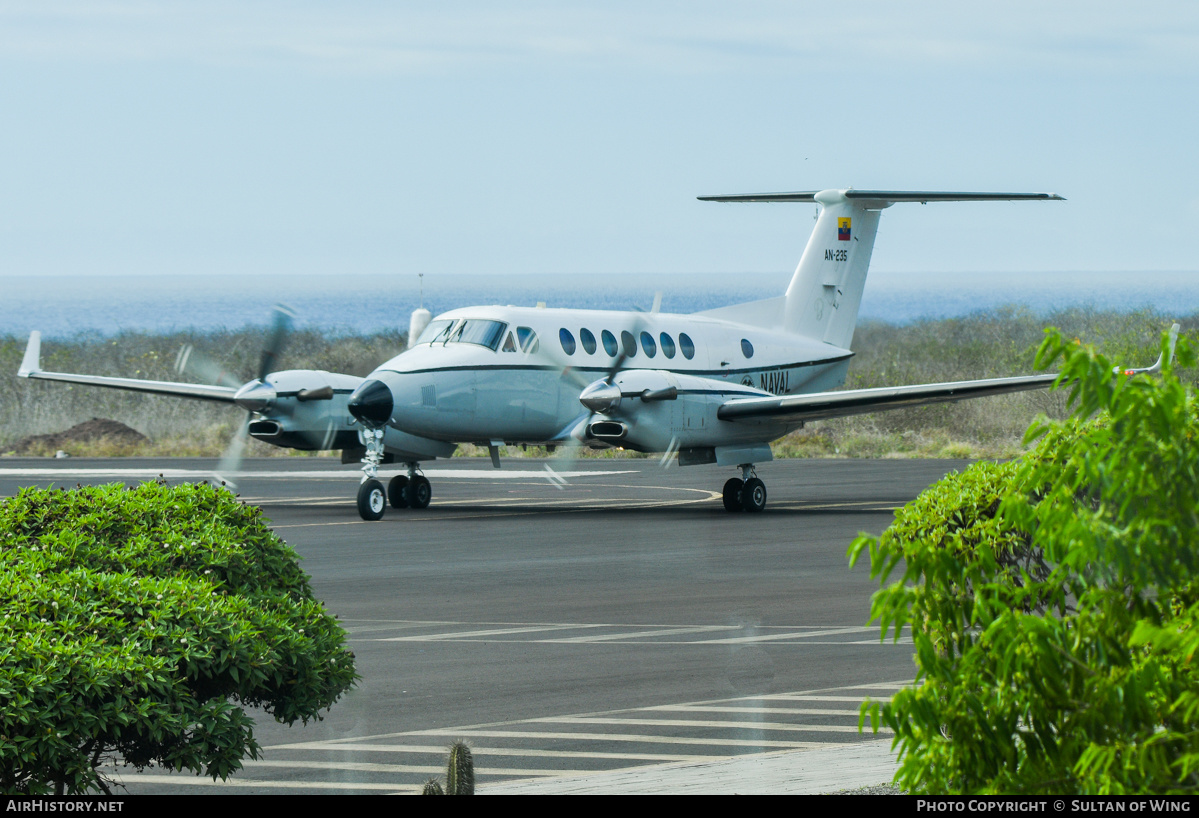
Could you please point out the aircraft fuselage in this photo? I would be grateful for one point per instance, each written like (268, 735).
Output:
(513, 374)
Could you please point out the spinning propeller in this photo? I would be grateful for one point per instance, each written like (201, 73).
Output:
(603, 397)
(253, 396)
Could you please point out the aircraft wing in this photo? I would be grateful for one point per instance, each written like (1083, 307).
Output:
(31, 367)
(821, 405)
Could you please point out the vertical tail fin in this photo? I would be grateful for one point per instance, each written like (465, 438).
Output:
(825, 293)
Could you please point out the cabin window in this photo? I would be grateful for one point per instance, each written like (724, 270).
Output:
(685, 345)
(747, 349)
(667, 345)
(568, 341)
(588, 340)
(609, 343)
(433, 332)
(647, 344)
(629, 343)
(527, 339)
(481, 332)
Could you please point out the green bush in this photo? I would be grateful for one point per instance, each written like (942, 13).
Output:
(139, 624)
(1051, 601)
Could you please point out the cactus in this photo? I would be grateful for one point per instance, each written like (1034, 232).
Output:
(460, 774)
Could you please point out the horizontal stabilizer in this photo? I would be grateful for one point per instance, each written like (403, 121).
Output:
(891, 196)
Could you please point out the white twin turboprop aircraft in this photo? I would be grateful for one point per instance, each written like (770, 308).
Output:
(715, 387)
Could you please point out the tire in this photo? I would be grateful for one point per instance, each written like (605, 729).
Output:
(372, 500)
(753, 495)
(419, 492)
(396, 493)
(732, 494)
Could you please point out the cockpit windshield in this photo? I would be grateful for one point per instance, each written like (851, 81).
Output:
(435, 330)
(464, 331)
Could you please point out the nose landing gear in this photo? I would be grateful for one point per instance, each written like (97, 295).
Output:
(745, 493)
(403, 491)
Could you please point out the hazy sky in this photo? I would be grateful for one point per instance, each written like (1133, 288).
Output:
(267, 138)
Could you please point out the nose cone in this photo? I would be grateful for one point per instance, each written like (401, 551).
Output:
(601, 396)
(372, 403)
(256, 396)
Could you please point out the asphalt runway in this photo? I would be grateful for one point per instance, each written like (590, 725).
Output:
(625, 620)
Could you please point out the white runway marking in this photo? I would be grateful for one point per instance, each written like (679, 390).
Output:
(150, 473)
(731, 725)
(406, 759)
(558, 633)
(189, 780)
(438, 769)
(640, 738)
(467, 635)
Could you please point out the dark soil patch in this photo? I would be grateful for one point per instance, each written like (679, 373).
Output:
(111, 433)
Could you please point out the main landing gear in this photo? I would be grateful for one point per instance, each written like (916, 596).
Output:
(745, 493)
(403, 491)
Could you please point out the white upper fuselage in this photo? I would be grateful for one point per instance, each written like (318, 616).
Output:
(476, 375)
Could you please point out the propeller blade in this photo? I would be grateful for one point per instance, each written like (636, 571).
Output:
(280, 326)
(202, 367)
(668, 455)
(570, 454)
(229, 467)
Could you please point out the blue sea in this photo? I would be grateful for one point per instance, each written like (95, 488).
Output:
(66, 306)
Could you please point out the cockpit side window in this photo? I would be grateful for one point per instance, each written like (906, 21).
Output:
(509, 344)
(528, 340)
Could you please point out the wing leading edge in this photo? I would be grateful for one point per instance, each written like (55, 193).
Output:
(31, 367)
(822, 405)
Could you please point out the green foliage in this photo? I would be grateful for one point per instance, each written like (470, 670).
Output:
(460, 774)
(138, 624)
(1051, 601)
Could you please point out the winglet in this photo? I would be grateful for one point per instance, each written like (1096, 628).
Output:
(32, 362)
(1157, 365)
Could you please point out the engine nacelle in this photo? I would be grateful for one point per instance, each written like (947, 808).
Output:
(661, 411)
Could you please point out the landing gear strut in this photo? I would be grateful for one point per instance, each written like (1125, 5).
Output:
(372, 500)
(745, 493)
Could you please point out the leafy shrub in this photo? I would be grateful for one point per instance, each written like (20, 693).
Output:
(138, 624)
(1051, 601)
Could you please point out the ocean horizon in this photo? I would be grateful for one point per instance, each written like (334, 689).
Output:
(68, 306)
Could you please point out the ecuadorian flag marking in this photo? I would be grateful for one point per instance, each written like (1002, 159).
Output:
(843, 229)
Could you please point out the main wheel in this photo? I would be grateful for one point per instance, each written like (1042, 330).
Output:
(753, 495)
(372, 501)
(732, 494)
(396, 493)
(419, 492)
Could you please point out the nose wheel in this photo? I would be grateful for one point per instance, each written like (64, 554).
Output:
(748, 494)
(372, 501)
